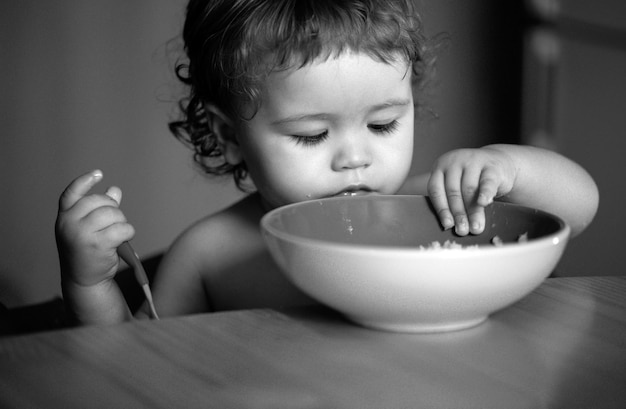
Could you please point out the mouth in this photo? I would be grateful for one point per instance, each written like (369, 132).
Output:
(355, 190)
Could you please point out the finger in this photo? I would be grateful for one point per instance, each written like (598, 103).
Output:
(78, 189)
(476, 216)
(439, 200)
(114, 193)
(453, 183)
(470, 190)
(116, 234)
(488, 187)
(102, 217)
(90, 203)
(487, 191)
(470, 185)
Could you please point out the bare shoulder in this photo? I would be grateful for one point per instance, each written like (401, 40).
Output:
(180, 285)
(221, 262)
(208, 238)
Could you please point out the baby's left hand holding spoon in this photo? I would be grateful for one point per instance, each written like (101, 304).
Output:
(89, 229)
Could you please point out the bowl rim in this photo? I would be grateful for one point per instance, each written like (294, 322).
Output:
(560, 236)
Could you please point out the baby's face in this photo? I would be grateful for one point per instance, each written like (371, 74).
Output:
(341, 126)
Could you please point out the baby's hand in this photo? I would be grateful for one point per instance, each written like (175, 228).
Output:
(464, 181)
(89, 228)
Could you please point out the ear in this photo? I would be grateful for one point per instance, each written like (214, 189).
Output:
(224, 130)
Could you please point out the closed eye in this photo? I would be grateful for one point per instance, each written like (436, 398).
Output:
(384, 128)
(310, 140)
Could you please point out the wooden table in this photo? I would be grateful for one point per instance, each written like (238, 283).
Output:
(563, 346)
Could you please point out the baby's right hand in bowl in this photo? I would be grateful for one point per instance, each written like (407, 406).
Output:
(464, 181)
(89, 229)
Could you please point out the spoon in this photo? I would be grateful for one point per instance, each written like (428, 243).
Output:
(128, 254)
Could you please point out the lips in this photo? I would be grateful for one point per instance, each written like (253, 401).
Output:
(355, 190)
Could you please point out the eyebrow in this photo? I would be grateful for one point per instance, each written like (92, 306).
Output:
(320, 116)
(390, 104)
(298, 118)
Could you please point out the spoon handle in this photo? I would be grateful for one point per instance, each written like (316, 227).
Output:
(128, 254)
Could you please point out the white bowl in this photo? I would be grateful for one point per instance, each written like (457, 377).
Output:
(362, 257)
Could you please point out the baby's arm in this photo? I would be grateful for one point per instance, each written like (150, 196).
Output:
(464, 181)
(89, 228)
(549, 181)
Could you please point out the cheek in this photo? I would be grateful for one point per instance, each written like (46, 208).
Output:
(261, 165)
(407, 150)
(281, 176)
(397, 163)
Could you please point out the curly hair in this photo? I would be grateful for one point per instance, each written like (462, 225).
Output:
(231, 46)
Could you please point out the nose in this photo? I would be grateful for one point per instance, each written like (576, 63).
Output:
(352, 152)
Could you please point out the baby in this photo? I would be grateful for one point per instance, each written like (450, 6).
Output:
(297, 100)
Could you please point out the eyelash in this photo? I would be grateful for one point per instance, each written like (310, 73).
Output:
(385, 128)
(311, 140)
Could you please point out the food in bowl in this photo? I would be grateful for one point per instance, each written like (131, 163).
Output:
(446, 245)
(361, 256)
(451, 244)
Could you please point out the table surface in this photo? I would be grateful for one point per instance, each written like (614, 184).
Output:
(562, 346)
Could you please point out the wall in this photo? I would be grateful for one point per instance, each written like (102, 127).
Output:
(477, 96)
(574, 103)
(88, 84)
